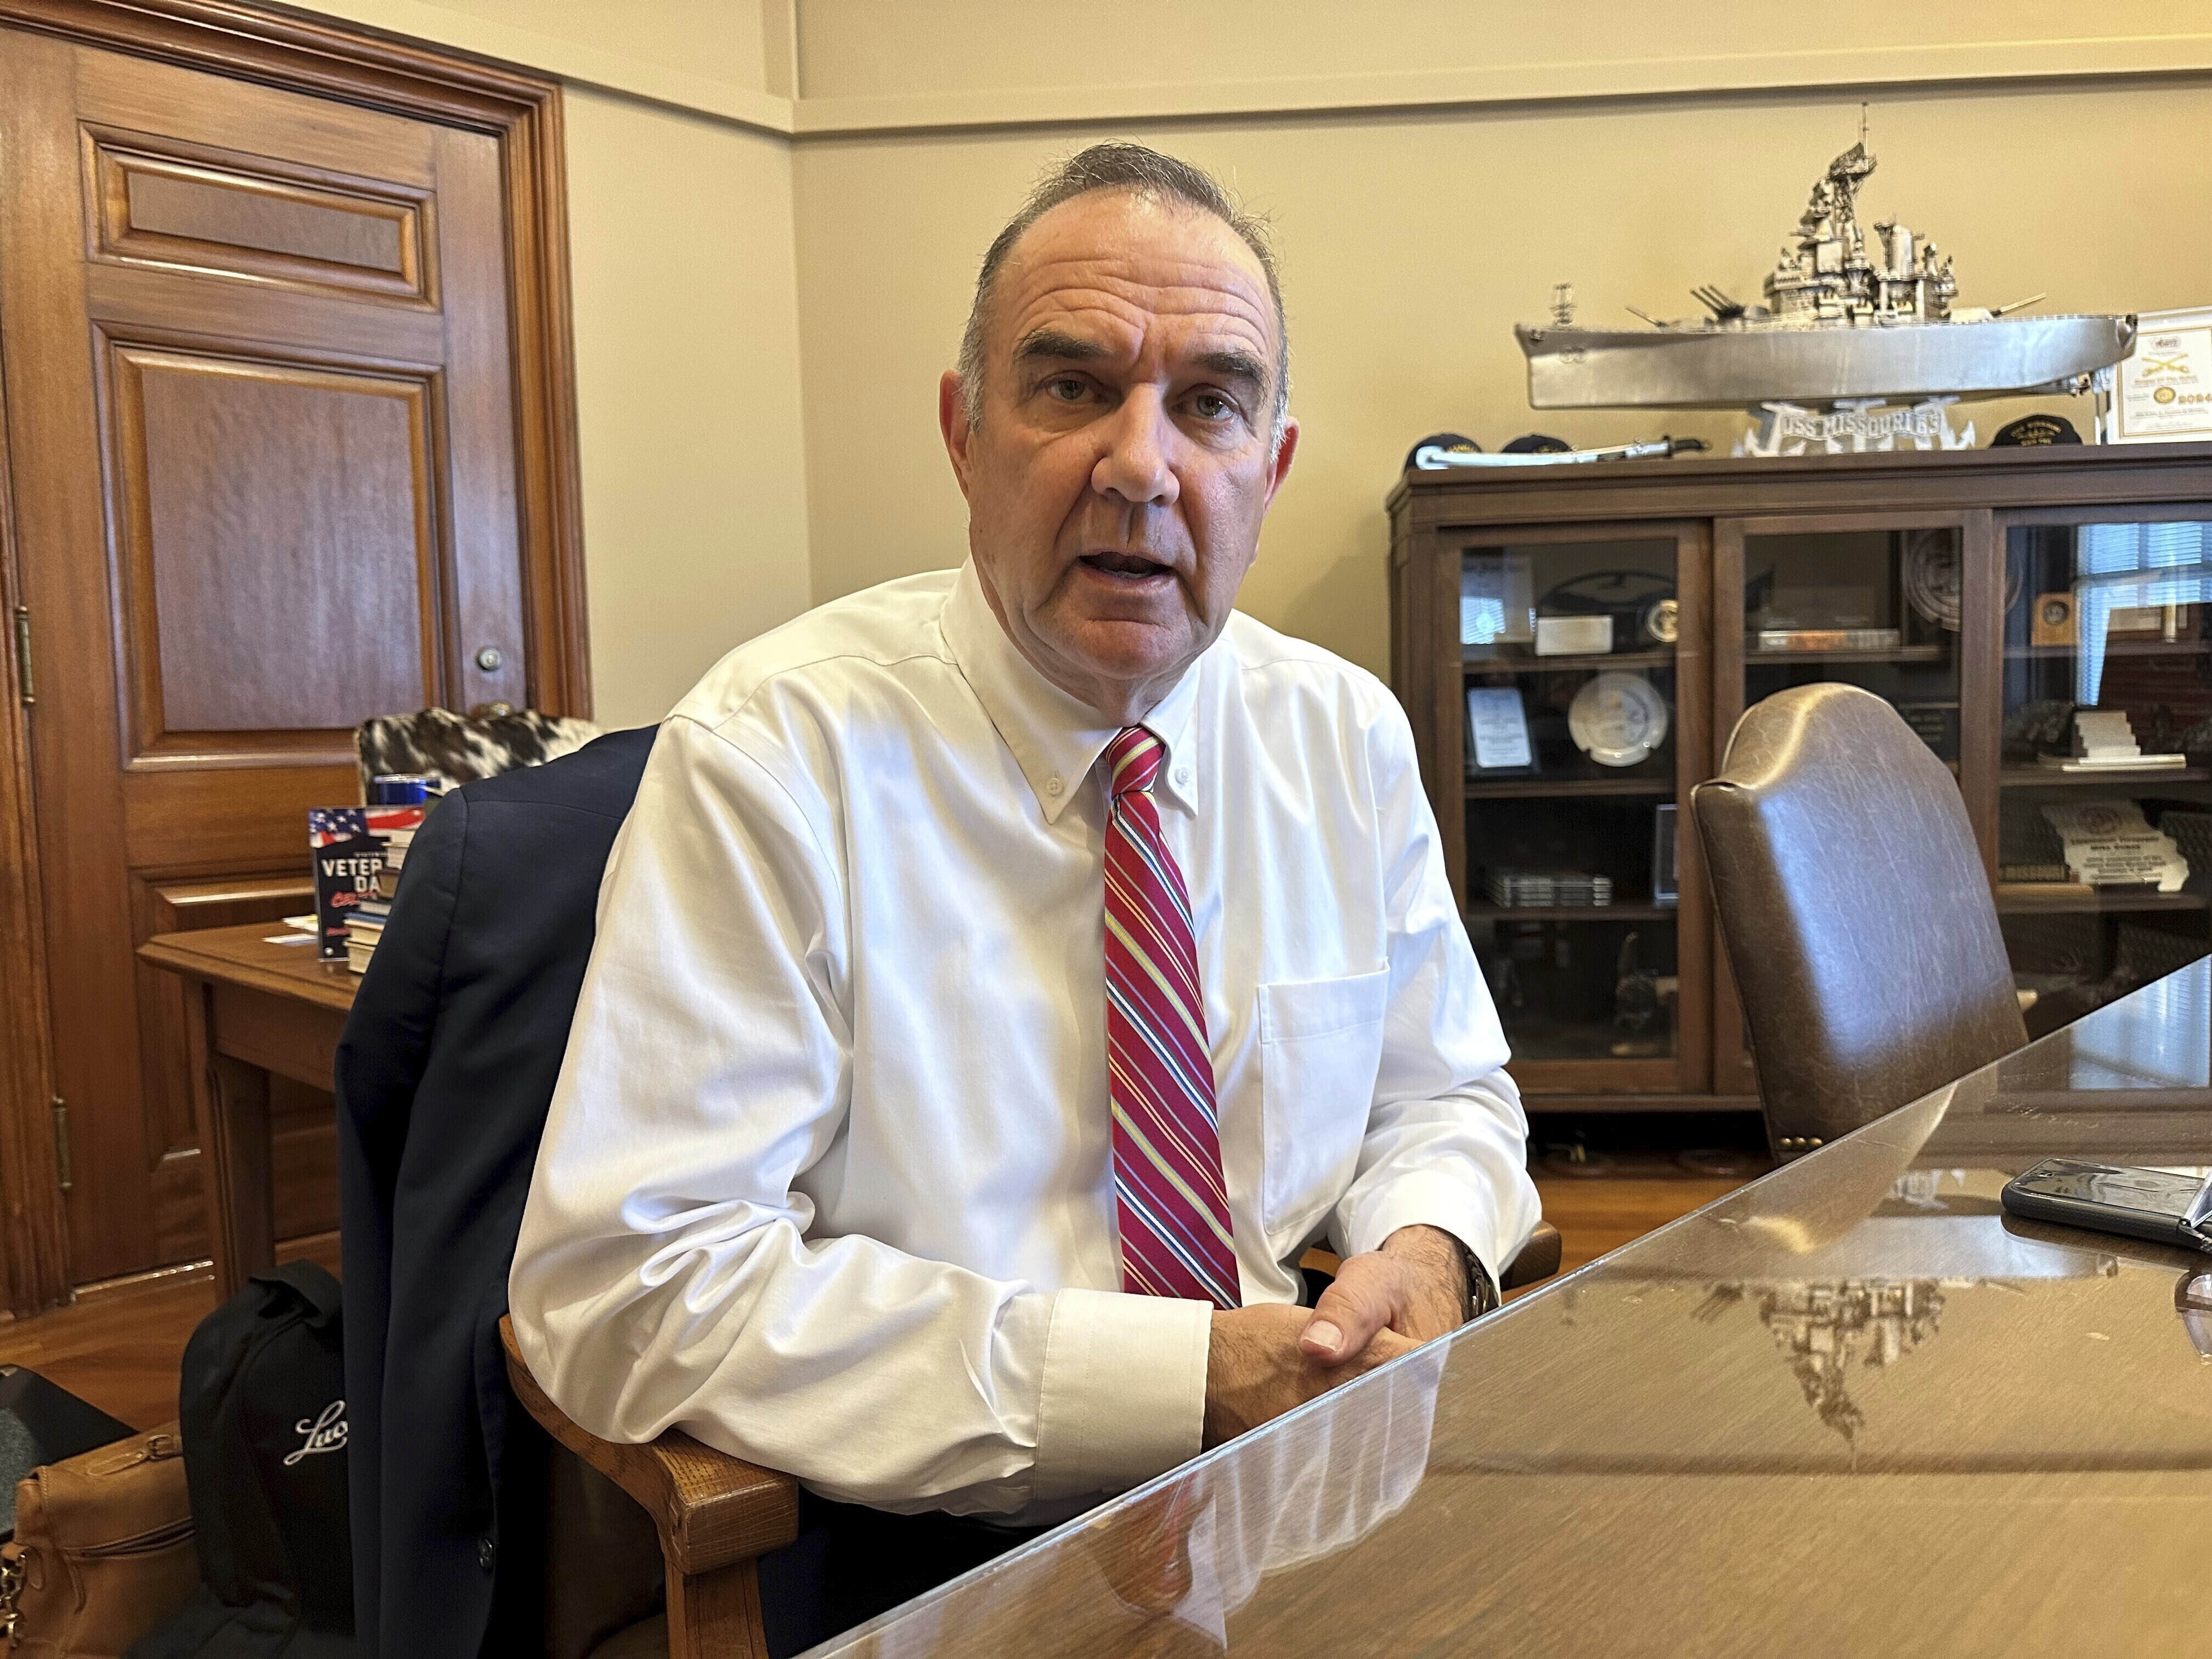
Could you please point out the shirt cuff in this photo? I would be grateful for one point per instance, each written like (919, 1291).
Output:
(1424, 1198)
(1124, 1392)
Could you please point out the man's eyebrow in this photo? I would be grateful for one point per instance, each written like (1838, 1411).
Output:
(1234, 365)
(1053, 345)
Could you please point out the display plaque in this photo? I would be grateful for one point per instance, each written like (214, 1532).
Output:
(2165, 385)
(1498, 730)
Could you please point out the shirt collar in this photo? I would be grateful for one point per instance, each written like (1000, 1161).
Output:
(1056, 739)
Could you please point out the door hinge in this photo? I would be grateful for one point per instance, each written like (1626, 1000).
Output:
(64, 1177)
(26, 687)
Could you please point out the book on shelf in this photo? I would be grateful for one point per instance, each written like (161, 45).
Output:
(2109, 763)
(1830, 639)
(1534, 890)
(2036, 890)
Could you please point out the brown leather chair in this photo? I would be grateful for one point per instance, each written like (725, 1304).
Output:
(716, 1515)
(1856, 912)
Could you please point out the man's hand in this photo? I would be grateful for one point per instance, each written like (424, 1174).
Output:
(1261, 1361)
(1256, 1368)
(1415, 1286)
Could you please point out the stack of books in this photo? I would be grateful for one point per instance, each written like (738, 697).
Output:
(396, 843)
(357, 852)
(364, 927)
(1517, 890)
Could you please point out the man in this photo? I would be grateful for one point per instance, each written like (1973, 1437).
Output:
(1006, 975)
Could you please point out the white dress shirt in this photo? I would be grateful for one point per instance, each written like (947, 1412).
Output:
(827, 1178)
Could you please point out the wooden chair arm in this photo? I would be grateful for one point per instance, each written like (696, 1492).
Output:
(711, 1510)
(1538, 1260)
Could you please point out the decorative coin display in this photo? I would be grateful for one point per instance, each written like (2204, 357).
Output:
(1931, 576)
(1617, 719)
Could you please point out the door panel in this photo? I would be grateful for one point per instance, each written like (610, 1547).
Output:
(193, 207)
(262, 416)
(222, 470)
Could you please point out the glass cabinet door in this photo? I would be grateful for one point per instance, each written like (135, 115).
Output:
(1876, 608)
(1876, 601)
(1578, 657)
(2105, 781)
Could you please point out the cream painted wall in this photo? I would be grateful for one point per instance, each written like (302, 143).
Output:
(1412, 243)
(688, 394)
(685, 318)
(716, 39)
(1633, 151)
(855, 49)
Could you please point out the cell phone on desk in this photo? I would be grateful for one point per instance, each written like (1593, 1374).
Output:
(2173, 1209)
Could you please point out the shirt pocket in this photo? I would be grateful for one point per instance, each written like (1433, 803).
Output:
(1321, 1047)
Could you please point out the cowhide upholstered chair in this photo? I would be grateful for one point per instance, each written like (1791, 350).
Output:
(460, 749)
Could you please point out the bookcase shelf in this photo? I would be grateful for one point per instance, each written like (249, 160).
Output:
(1520, 788)
(2041, 777)
(1575, 665)
(2047, 904)
(1570, 911)
(1740, 539)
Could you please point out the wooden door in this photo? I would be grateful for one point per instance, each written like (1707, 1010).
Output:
(265, 445)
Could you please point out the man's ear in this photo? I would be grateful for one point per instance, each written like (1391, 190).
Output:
(1279, 468)
(952, 421)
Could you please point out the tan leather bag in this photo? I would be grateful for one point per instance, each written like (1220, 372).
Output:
(103, 1551)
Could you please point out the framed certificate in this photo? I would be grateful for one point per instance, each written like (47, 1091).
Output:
(2164, 390)
(1498, 730)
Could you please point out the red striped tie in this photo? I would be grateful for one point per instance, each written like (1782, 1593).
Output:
(1169, 1196)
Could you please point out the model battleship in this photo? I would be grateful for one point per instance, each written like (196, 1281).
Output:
(1846, 316)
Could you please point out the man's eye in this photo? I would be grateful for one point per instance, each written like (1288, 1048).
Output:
(1065, 388)
(1212, 406)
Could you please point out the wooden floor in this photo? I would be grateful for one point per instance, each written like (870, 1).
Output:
(119, 1346)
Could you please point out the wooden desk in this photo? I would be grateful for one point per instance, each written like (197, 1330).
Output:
(1852, 1408)
(254, 1010)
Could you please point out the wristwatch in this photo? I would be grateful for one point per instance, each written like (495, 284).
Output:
(1481, 1289)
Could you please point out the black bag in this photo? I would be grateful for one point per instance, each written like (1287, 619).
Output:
(262, 1405)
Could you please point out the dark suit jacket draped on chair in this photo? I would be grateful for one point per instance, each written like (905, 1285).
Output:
(443, 1079)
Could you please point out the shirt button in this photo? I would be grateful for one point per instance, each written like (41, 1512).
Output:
(485, 1554)
(1051, 785)
(1182, 775)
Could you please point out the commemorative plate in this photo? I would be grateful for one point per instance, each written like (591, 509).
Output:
(1617, 719)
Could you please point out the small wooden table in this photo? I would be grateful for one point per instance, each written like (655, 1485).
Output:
(255, 1009)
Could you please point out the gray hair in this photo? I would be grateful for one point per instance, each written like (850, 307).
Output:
(1123, 165)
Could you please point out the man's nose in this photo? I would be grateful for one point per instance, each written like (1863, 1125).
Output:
(1134, 467)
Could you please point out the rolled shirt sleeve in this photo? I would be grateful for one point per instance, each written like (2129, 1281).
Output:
(1447, 1140)
(664, 1276)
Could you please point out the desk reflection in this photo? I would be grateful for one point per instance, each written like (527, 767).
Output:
(1161, 1571)
(1853, 1407)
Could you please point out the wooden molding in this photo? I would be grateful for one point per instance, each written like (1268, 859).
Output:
(1855, 70)
(35, 1270)
(294, 51)
(1575, 77)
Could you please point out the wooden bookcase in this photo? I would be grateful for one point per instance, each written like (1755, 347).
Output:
(1953, 550)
